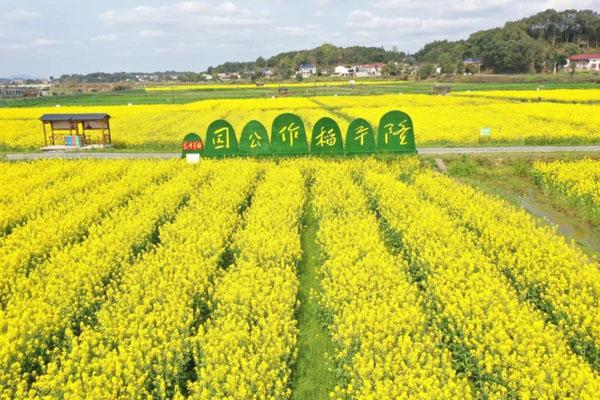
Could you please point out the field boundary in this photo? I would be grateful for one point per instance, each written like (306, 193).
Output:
(422, 151)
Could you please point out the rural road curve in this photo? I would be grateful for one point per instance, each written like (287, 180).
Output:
(422, 151)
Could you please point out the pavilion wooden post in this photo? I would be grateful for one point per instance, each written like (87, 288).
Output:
(109, 135)
(45, 137)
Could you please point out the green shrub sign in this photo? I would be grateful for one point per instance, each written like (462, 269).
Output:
(360, 137)
(395, 133)
(288, 136)
(326, 137)
(221, 139)
(254, 140)
(192, 144)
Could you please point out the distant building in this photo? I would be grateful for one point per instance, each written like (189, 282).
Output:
(14, 91)
(307, 70)
(472, 65)
(583, 62)
(228, 75)
(364, 70)
(342, 70)
(359, 71)
(267, 72)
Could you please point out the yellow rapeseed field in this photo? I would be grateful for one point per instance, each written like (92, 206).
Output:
(455, 120)
(562, 95)
(163, 280)
(577, 183)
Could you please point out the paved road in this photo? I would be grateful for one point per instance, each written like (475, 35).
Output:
(423, 151)
(507, 149)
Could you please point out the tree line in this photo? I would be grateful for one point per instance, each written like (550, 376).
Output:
(537, 43)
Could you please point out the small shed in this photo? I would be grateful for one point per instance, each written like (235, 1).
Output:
(441, 90)
(76, 130)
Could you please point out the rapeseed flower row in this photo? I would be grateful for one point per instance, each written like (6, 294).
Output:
(25, 206)
(64, 293)
(576, 183)
(520, 355)
(387, 350)
(536, 257)
(30, 244)
(138, 346)
(566, 95)
(248, 345)
(21, 181)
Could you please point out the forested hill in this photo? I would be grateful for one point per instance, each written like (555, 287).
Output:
(325, 55)
(531, 44)
(535, 43)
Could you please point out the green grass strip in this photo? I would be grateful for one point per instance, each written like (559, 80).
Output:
(313, 377)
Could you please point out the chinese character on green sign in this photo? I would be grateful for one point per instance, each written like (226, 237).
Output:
(360, 137)
(288, 135)
(254, 140)
(326, 137)
(220, 139)
(395, 133)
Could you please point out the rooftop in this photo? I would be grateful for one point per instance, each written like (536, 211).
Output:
(581, 57)
(74, 117)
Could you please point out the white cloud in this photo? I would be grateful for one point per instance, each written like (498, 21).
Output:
(306, 30)
(111, 37)
(18, 14)
(192, 6)
(227, 7)
(153, 34)
(365, 20)
(33, 43)
(44, 42)
(196, 13)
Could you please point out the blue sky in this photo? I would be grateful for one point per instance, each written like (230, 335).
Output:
(42, 38)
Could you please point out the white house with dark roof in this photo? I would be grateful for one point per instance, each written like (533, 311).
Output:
(307, 70)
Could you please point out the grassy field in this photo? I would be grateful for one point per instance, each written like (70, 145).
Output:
(140, 96)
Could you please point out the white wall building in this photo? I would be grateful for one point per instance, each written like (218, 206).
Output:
(341, 70)
(364, 70)
(307, 70)
(582, 62)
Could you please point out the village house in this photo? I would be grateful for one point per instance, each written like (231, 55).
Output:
(583, 62)
(359, 71)
(267, 72)
(472, 65)
(342, 70)
(364, 70)
(226, 76)
(307, 70)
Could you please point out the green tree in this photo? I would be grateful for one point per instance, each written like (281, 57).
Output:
(447, 64)
(425, 71)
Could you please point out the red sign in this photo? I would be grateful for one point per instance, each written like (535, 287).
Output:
(193, 146)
